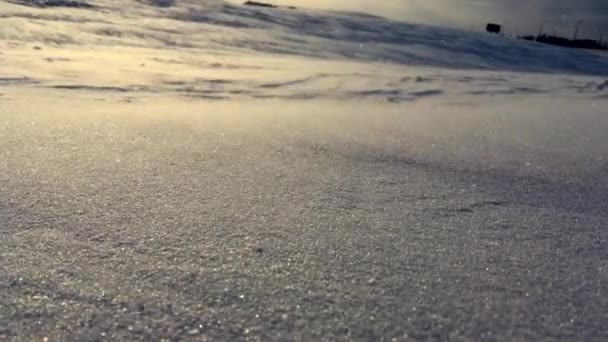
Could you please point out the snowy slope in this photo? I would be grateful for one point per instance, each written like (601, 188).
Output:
(201, 170)
(203, 33)
(215, 24)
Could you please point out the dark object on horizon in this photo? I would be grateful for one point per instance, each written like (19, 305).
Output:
(565, 42)
(493, 28)
(259, 4)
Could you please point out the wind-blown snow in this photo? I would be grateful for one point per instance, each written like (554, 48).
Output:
(200, 169)
(217, 25)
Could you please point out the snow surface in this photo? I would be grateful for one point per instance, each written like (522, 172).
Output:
(200, 168)
(548, 98)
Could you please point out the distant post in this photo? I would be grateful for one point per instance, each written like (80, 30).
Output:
(576, 27)
(541, 28)
(493, 28)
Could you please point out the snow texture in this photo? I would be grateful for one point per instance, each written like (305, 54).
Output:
(209, 171)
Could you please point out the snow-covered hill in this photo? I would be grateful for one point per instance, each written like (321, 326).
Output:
(215, 24)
